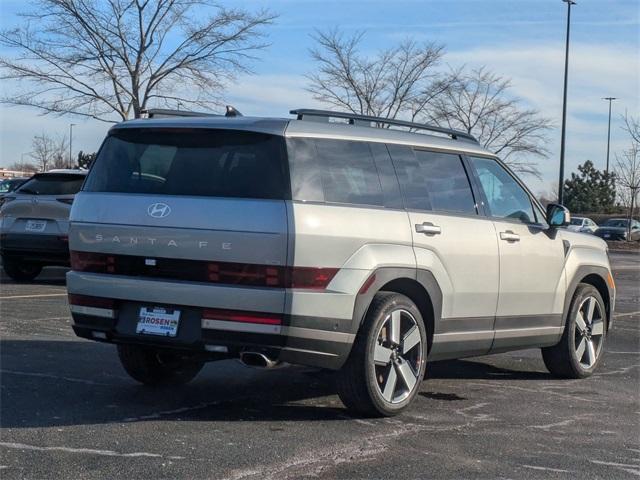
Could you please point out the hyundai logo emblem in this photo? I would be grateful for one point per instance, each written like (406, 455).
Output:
(158, 210)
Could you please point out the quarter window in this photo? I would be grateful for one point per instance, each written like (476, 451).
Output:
(505, 197)
(433, 181)
(349, 173)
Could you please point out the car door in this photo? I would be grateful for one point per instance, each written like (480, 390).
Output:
(453, 242)
(532, 283)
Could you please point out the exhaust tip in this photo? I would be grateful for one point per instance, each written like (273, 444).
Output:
(257, 360)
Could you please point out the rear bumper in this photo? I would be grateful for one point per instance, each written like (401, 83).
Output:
(307, 336)
(47, 249)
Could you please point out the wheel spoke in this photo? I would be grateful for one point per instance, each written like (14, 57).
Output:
(580, 323)
(407, 375)
(597, 328)
(390, 384)
(394, 327)
(382, 355)
(591, 305)
(411, 339)
(581, 348)
(591, 353)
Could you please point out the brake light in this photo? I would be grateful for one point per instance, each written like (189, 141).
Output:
(92, 262)
(270, 276)
(87, 301)
(241, 316)
(310, 277)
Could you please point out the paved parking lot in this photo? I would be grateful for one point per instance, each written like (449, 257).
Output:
(69, 411)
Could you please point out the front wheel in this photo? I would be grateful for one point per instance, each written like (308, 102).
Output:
(383, 373)
(581, 348)
(155, 367)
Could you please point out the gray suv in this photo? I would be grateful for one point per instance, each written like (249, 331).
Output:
(34, 220)
(329, 242)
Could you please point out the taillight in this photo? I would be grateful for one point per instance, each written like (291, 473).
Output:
(92, 262)
(310, 277)
(87, 301)
(270, 276)
(241, 316)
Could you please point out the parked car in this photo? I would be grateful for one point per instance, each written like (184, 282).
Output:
(335, 245)
(34, 222)
(8, 185)
(618, 229)
(582, 224)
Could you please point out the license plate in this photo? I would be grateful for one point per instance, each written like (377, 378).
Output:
(158, 321)
(35, 225)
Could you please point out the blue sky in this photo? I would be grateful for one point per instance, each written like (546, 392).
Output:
(520, 39)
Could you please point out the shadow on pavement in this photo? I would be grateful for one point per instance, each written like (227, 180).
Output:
(56, 383)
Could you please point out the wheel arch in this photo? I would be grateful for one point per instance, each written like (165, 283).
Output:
(597, 277)
(418, 285)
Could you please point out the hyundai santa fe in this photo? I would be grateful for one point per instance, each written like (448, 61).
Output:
(325, 241)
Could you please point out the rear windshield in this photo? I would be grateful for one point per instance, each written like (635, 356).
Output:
(576, 221)
(201, 162)
(52, 184)
(616, 222)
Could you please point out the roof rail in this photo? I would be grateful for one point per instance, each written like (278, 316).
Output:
(366, 120)
(165, 112)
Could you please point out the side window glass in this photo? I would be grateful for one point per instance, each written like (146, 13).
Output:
(306, 179)
(505, 197)
(434, 181)
(349, 173)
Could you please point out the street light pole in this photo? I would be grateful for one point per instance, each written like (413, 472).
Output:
(71, 125)
(610, 99)
(564, 105)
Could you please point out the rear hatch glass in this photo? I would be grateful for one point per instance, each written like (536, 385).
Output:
(52, 184)
(191, 162)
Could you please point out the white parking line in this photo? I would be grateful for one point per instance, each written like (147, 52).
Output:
(618, 315)
(11, 297)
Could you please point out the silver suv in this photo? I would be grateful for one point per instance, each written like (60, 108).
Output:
(34, 220)
(328, 242)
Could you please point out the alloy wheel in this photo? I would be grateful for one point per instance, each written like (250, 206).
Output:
(589, 332)
(397, 356)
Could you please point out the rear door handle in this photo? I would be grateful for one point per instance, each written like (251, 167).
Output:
(428, 228)
(509, 236)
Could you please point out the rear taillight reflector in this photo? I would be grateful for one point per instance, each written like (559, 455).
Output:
(310, 277)
(88, 301)
(241, 316)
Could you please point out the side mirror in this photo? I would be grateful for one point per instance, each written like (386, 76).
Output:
(557, 215)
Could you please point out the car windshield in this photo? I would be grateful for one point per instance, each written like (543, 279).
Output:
(211, 163)
(576, 221)
(52, 184)
(616, 222)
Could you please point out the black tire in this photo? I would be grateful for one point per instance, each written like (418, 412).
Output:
(360, 381)
(155, 367)
(562, 359)
(19, 270)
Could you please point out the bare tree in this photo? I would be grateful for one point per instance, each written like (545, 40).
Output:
(393, 82)
(48, 152)
(22, 166)
(479, 103)
(627, 169)
(114, 58)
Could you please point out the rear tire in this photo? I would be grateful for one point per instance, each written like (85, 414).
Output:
(19, 270)
(581, 348)
(155, 367)
(387, 362)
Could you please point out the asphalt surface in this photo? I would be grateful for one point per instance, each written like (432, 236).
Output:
(69, 411)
